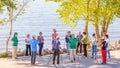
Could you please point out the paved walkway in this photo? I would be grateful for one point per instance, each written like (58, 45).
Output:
(81, 62)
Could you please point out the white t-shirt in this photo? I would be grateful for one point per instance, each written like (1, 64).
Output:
(94, 41)
(28, 41)
(108, 42)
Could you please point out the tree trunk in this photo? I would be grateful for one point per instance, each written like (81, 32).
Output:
(86, 27)
(10, 33)
(97, 33)
(103, 26)
(107, 24)
(106, 29)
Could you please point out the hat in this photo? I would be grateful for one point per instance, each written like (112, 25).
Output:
(40, 33)
(15, 33)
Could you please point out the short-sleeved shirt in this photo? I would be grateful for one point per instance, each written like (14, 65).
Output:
(54, 36)
(28, 41)
(104, 45)
(84, 40)
(67, 38)
(79, 38)
(40, 38)
(108, 43)
(15, 41)
(56, 45)
(33, 44)
(94, 41)
(73, 42)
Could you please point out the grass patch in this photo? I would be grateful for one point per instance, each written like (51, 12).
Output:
(3, 55)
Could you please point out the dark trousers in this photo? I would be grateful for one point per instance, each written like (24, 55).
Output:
(33, 58)
(28, 50)
(85, 49)
(40, 48)
(79, 45)
(56, 53)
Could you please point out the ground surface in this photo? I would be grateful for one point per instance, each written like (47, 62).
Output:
(81, 62)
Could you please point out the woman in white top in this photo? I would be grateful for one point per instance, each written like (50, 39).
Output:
(94, 46)
(27, 43)
(108, 44)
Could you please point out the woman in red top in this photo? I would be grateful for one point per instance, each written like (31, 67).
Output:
(54, 35)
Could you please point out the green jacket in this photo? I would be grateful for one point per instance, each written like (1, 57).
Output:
(73, 42)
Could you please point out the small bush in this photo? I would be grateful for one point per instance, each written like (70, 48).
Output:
(4, 55)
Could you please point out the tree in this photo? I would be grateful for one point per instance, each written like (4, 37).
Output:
(14, 8)
(99, 12)
(110, 11)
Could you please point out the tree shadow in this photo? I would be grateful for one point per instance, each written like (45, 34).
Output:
(80, 62)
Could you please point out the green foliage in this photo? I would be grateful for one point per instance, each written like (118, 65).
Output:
(16, 6)
(4, 55)
(55, 0)
(95, 11)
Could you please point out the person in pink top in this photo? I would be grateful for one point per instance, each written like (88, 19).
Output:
(41, 43)
(54, 35)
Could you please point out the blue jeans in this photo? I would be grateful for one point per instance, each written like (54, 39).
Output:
(108, 53)
(94, 51)
(40, 48)
(67, 46)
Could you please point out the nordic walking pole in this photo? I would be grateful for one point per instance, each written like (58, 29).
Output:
(49, 59)
(61, 59)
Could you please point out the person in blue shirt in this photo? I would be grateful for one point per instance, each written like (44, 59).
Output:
(33, 43)
(56, 49)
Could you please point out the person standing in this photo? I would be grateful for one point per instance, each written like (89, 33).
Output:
(15, 45)
(56, 49)
(106, 38)
(33, 44)
(73, 43)
(27, 42)
(94, 46)
(84, 42)
(79, 44)
(104, 46)
(108, 44)
(67, 37)
(54, 35)
(41, 43)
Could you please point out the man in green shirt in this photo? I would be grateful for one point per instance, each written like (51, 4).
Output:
(15, 44)
(84, 42)
(72, 42)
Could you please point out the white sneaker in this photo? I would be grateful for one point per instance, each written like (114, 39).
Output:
(53, 65)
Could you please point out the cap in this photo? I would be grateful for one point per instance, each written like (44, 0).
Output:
(40, 33)
(15, 33)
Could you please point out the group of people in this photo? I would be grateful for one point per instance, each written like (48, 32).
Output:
(31, 46)
(74, 45)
